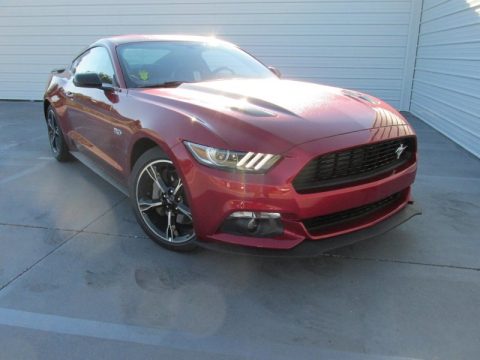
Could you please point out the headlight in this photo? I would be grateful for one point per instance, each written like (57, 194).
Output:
(233, 160)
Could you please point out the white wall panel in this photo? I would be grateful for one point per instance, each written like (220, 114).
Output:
(351, 43)
(446, 86)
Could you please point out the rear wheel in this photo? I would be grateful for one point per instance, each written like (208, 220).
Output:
(159, 202)
(55, 136)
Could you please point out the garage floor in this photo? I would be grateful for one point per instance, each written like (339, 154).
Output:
(79, 279)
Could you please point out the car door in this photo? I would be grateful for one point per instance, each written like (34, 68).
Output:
(93, 111)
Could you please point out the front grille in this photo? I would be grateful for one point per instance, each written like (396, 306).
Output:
(354, 165)
(343, 218)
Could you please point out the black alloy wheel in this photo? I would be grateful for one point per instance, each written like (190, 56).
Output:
(55, 137)
(159, 202)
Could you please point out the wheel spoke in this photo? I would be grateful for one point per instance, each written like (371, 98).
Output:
(146, 204)
(50, 123)
(53, 141)
(178, 187)
(184, 210)
(53, 132)
(169, 231)
(156, 179)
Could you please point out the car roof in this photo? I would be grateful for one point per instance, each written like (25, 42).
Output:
(123, 39)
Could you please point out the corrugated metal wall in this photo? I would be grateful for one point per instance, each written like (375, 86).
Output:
(349, 43)
(446, 87)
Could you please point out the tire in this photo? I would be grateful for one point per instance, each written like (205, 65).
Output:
(58, 146)
(159, 202)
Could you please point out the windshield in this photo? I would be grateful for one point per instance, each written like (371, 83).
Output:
(164, 63)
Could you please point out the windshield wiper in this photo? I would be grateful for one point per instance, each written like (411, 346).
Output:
(165, 84)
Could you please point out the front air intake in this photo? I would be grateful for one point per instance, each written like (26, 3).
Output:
(355, 165)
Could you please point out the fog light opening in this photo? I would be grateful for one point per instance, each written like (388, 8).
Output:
(255, 215)
(255, 224)
(252, 224)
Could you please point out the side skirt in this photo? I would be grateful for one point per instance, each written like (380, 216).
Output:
(92, 165)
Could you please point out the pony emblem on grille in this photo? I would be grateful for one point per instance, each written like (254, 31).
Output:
(400, 150)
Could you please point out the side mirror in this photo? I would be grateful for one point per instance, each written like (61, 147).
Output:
(275, 71)
(91, 80)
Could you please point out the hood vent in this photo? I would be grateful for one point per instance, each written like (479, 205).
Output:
(360, 97)
(251, 110)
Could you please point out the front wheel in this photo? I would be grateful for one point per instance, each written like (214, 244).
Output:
(159, 202)
(55, 136)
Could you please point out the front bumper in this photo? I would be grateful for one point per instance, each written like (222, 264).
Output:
(316, 248)
(215, 194)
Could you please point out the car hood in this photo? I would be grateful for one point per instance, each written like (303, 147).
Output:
(247, 114)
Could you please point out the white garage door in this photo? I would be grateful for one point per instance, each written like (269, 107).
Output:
(356, 44)
(446, 91)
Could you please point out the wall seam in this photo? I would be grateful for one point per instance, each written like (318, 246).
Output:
(411, 54)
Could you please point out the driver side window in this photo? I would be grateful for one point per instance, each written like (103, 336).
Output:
(96, 60)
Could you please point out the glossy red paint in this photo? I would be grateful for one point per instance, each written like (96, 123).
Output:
(273, 192)
(298, 120)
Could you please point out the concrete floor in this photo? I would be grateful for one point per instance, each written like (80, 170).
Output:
(78, 279)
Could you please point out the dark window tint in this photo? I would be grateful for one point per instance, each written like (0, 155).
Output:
(98, 61)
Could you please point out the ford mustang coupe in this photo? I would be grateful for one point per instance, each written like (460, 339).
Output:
(215, 149)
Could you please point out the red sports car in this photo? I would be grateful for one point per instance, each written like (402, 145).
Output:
(215, 149)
